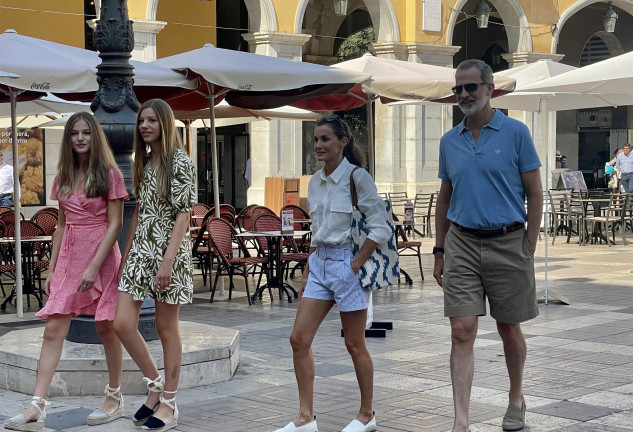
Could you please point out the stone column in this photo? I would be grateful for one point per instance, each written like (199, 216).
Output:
(145, 39)
(276, 145)
(407, 136)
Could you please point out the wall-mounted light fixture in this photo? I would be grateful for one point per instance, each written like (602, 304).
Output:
(340, 7)
(610, 16)
(482, 13)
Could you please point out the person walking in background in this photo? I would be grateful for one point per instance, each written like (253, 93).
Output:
(247, 174)
(488, 165)
(157, 258)
(614, 180)
(624, 163)
(85, 258)
(6, 184)
(331, 272)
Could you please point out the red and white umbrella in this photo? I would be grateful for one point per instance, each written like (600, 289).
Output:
(250, 81)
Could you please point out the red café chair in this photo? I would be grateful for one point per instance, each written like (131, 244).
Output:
(303, 244)
(407, 248)
(260, 210)
(7, 266)
(222, 236)
(244, 218)
(31, 229)
(53, 210)
(268, 222)
(198, 212)
(200, 250)
(48, 222)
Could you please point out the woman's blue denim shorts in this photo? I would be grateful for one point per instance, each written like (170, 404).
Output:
(332, 278)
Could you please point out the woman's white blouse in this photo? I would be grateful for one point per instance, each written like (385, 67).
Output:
(330, 202)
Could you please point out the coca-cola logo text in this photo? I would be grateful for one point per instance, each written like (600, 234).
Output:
(41, 86)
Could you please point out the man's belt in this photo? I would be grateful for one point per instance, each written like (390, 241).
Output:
(5, 195)
(492, 232)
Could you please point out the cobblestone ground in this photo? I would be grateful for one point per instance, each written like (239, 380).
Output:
(578, 375)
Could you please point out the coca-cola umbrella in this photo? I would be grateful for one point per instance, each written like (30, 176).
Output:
(392, 80)
(38, 66)
(71, 72)
(252, 81)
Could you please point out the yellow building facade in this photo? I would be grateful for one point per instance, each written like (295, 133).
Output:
(441, 32)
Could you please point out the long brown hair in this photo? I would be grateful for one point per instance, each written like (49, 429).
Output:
(354, 154)
(170, 143)
(101, 159)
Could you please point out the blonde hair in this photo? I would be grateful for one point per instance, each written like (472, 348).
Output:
(170, 143)
(100, 161)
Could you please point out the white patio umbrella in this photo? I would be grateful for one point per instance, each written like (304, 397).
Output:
(45, 66)
(226, 115)
(610, 76)
(538, 74)
(48, 104)
(251, 81)
(391, 81)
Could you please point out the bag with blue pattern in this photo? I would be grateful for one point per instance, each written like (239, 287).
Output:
(382, 268)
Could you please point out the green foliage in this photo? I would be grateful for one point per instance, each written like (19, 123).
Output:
(356, 44)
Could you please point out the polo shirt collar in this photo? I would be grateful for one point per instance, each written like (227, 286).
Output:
(494, 123)
(338, 172)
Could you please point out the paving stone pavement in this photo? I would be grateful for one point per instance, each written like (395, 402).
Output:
(578, 376)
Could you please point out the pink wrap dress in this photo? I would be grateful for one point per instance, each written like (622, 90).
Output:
(86, 226)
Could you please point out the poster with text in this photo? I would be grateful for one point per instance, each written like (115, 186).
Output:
(30, 163)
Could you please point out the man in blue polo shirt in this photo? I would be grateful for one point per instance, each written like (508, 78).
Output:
(488, 167)
(624, 162)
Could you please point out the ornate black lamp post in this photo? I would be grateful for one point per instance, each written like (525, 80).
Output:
(115, 105)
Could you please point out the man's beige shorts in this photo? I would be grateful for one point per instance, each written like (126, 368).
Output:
(500, 269)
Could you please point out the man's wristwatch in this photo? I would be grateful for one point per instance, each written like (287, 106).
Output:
(437, 250)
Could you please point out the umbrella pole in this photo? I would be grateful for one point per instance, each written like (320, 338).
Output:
(16, 194)
(371, 144)
(214, 150)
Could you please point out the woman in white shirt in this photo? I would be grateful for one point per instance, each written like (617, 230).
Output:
(331, 273)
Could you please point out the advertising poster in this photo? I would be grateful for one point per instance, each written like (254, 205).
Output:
(30, 163)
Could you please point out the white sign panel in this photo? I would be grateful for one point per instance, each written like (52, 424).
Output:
(432, 15)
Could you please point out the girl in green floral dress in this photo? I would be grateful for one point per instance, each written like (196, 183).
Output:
(156, 261)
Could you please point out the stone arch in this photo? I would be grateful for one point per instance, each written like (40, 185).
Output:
(625, 5)
(610, 41)
(152, 8)
(512, 14)
(262, 16)
(382, 16)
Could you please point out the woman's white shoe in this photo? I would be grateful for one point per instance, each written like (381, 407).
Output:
(101, 416)
(308, 427)
(357, 426)
(20, 423)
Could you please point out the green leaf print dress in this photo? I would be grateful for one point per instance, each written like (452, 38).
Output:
(155, 224)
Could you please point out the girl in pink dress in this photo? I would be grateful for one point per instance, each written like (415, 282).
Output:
(85, 258)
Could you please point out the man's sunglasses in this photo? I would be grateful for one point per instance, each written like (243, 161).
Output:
(470, 88)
